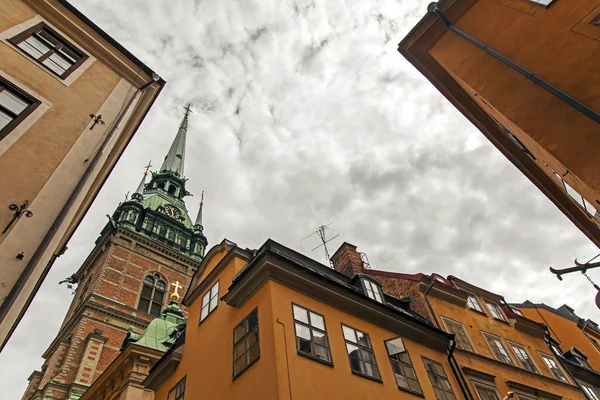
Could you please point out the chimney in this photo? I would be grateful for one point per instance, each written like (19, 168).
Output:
(347, 260)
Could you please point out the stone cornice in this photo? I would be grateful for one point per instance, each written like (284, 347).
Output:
(272, 268)
(159, 247)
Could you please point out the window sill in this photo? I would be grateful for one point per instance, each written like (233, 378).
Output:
(478, 312)
(366, 376)
(411, 392)
(330, 363)
(503, 321)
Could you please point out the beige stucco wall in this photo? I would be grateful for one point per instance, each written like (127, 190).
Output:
(45, 157)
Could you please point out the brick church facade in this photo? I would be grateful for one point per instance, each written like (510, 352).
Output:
(148, 245)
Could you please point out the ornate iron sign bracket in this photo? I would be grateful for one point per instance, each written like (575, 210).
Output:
(18, 212)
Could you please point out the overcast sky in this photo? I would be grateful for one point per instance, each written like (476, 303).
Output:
(305, 113)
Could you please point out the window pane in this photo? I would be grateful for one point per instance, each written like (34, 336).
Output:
(253, 353)
(54, 67)
(302, 331)
(161, 285)
(213, 303)
(363, 339)
(215, 290)
(300, 314)
(253, 320)
(304, 345)
(143, 305)
(158, 296)
(352, 350)
(317, 321)
(395, 346)
(4, 119)
(155, 309)
(322, 352)
(252, 339)
(239, 365)
(349, 334)
(239, 331)
(12, 102)
(204, 313)
(239, 350)
(205, 299)
(319, 338)
(60, 61)
(149, 281)
(147, 292)
(34, 47)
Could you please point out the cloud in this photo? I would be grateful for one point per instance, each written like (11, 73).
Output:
(305, 113)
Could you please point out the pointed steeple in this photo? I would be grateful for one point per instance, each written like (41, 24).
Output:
(139, 192)
(198, 227)
(175, 159)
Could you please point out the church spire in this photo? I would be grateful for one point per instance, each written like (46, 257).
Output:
(139, 192)
(198, 227)
(175, 159)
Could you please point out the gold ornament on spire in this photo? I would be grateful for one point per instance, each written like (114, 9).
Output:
(175, 296)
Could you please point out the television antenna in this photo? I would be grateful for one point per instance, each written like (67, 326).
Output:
(321, 231)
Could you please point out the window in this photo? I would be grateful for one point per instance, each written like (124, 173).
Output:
(486, 392)
(402, 366)
(544, 3)
(596, 21)
(594, 342)
(178, 391)
(495, 311)
(553, 367)
(210, 301)
(461, 338)
(311, 335)
(523, 357)
(360, 353)
(498, 348)
(473, 303)
(589, 391)
(372, 290)
(15, 106)
(439, 380)
(153, 295)
(246, 349)
(49, 49)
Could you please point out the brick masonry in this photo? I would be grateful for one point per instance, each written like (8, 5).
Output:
(104, 307)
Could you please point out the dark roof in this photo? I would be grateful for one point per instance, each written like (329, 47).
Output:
(564, 311)
(109, 39)
(401, 306)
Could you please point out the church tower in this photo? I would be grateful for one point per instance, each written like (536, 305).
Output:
(148, 245)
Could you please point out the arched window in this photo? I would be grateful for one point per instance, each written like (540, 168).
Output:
(171, 235)
(132, 216)
(162, 231)
(172, 189)
(153, 295)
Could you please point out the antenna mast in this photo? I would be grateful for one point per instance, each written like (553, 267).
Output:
(321, 231)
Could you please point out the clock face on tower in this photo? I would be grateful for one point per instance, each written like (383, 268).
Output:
(172, 211)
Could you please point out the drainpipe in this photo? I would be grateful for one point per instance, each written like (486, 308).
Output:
(462, 383)
(579, 106)
(8, 302)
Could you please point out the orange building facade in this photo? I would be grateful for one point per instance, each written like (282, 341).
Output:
(574, 341)
(525, 73)
(274, 324)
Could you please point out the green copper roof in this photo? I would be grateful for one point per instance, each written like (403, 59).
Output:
(154, 199)
(161, 333)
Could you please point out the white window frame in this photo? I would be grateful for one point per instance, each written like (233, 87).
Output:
(372, 290)
(447, 322)
(494, 309)
(488, 337)
(210, 301)
(475, 301)
(520, 362)
(545, 356)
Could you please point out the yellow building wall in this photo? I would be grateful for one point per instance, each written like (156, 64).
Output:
(207, 361)
(311, 379)
(474, 323)
(281, 373)
(567, 333)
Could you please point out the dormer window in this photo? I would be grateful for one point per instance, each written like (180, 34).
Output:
(372, 290)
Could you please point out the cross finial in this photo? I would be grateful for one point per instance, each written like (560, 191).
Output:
(126, 196)
(202, 199)
(148, 167)
(177, 286)
(188, 109)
